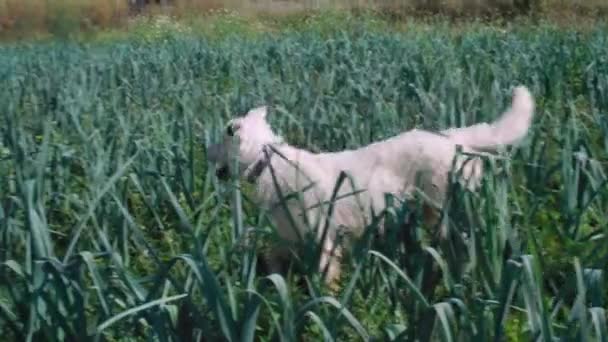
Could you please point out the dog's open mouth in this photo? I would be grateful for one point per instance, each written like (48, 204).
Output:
(222, 173)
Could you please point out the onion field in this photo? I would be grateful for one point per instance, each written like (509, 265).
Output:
(114, 228)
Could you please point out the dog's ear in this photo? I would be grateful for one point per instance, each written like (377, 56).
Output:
(260, 112)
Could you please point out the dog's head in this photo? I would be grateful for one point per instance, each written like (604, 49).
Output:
(244, 138)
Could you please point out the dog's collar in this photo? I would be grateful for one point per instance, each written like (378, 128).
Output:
(254, 171)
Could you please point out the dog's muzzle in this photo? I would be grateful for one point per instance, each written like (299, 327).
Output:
(223, 173)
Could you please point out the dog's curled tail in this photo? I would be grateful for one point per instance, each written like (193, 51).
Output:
(509, 129)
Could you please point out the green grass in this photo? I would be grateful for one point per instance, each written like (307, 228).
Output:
(112, 227)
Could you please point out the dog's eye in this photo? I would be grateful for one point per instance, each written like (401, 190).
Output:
(231, 129)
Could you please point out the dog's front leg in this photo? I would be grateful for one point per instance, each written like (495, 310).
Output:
(330, 260)
(276, 260)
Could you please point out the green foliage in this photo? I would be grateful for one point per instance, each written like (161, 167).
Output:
(112, 227)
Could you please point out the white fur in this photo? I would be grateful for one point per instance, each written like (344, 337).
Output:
(411, 161)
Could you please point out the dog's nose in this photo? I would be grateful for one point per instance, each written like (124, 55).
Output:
(222, 173)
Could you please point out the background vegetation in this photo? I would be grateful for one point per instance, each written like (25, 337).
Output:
(113, 228)
(21, 19)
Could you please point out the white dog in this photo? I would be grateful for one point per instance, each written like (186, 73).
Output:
(415, 161)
